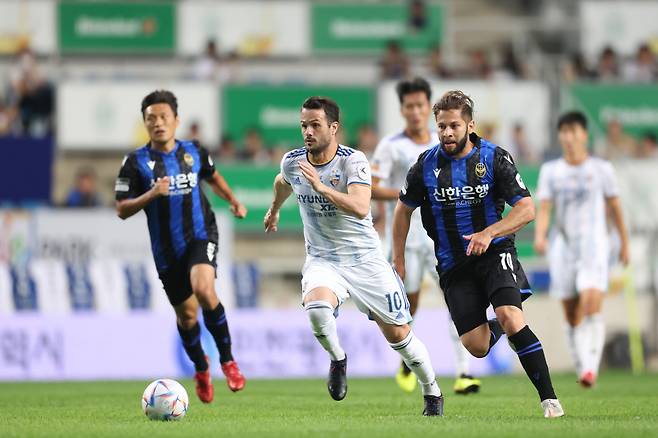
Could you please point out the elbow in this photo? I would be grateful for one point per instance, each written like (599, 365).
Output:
(362, 212)
(122, 213)
(530, 213)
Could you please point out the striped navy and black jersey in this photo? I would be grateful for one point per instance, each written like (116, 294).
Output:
(185, 215)
(462, 196)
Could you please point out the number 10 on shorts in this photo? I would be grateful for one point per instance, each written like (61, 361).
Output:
(395, 301)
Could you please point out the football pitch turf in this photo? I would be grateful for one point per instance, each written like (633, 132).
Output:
(621, 405)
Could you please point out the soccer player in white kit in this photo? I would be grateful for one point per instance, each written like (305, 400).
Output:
(580, 188)
(394, 156)
(344, 259)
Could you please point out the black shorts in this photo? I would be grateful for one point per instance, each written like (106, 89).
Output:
(176, 279)
(495, 278)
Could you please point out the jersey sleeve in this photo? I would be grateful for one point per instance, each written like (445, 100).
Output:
(508, 182)
(129, 182)
(382, 160)
(413, 193)
(357, 169)
(610, 185)
(207, 165)
(544, 190)
(284, 168)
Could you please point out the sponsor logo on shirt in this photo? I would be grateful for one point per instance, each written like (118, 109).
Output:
(464, 195)
(181, 184)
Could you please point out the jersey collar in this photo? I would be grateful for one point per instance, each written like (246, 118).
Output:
(173, 151)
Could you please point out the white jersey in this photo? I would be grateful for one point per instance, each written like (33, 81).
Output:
(578, 194)
(330, 233)
(394, 156)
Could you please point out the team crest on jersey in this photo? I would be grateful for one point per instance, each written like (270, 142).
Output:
(189, 159)
(480, 170)
(334, 177)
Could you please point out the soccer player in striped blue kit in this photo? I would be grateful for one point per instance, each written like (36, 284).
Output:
(163, 178)
(461, 186)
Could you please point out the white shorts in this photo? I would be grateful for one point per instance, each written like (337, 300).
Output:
(575, 268)
(373, 284)
(418, 261)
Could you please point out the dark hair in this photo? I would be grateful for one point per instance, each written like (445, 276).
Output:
(414, 85)
(649, 136)
(160, 96)
(324, 103)
(452, 100)
(572, 118)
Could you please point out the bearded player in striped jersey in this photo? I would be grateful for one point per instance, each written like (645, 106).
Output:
(393, 157)
(461, 186)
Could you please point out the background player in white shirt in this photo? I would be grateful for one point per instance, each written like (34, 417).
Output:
(394, 156)
(344, 259)
(581, 188)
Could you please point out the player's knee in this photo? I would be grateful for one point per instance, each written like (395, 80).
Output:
(477, 349)
(510, 318)
(187, 319)
(320, 314)
(205, 293)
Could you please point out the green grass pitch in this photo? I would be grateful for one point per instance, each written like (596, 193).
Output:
(621, 405)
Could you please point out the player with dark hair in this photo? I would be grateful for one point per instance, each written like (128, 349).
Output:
(394, 156)
(461, 186)
(163, 178)
(344, 259)
(582, 189)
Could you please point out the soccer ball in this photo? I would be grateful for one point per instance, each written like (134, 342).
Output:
(165, 399)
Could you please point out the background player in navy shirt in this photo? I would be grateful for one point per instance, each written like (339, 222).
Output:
(163, 178)
(461, 186)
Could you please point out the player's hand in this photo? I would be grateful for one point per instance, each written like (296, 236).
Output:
(238, 210)
(311, 175)
(398, 265)
(624, 254)
(540, 245)
(271, 221)
(478, 242)
(161, 187)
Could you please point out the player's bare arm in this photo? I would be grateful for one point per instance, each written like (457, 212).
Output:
(282, 190)
(521, 214)
(401, 223)
(129, 207)
(614, 206)
(221, 188)
(380, 193)
(355, 202)
(542, 223)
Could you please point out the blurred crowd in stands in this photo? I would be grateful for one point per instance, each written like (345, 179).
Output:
(27, 100)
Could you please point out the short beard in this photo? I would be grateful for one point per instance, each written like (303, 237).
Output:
(461, 144)
(317, 148)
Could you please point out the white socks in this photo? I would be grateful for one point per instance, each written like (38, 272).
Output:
(323, 322)
(596, 328)
(462, 356)
(586, 342)
(577, 344)
(417, 358)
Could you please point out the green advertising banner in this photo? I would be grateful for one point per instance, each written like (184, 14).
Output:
(635, 106)
(117, 27)
(365, 28)
(274, 111)
(253, 187)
